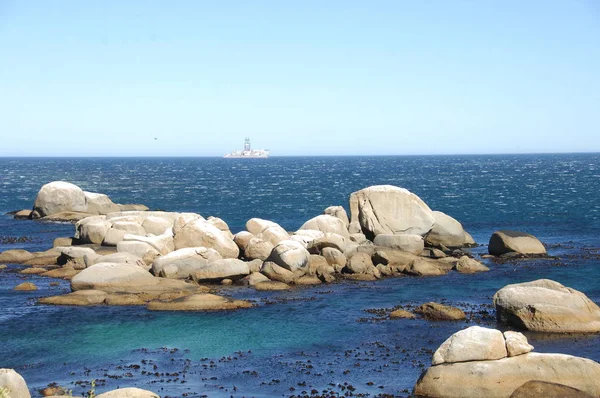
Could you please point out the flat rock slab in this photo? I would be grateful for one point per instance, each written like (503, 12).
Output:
(198, 302)
(271, 286)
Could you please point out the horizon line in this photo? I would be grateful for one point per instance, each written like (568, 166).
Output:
(286, 156)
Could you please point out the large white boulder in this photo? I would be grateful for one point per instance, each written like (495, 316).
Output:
(200, 233)
(327, 224)
(184, 262)
(92, 229)
(163, 244)
(386, 209)
(471, 344)
(267, 230)
(448, 231)
(59, 196)
(227, 268)
(405, 242)
(126, 278)
(290, 255)
(546, 306)
(14, 384)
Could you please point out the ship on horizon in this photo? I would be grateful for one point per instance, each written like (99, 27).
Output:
(248, 152)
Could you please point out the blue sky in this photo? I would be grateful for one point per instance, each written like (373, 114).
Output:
(82, 78)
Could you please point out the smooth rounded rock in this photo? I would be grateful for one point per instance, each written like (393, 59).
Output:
(471, 344)
(502, 242)
(546, 306)
(516, 343)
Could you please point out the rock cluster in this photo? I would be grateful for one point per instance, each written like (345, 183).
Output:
(481, 362)
(390, 232)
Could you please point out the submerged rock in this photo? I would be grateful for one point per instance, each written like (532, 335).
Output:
(440, 312)
(25, 286)
(546, 306)
(198, 302)
(15, 256)
(82, 297)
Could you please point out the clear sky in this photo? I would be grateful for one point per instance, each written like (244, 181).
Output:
(104, 78)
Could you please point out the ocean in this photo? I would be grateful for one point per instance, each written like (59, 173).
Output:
(329, 339)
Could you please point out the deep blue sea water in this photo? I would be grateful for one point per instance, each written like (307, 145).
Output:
(310, 338)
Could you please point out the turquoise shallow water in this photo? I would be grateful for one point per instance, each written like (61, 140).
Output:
(311, 337)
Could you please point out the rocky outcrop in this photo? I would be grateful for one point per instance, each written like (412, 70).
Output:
(60, 197)
(448, 232)
(475, 363)
(503, 242)
(14, 384)
(546, 306)
(198, 302)
(385, 209)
